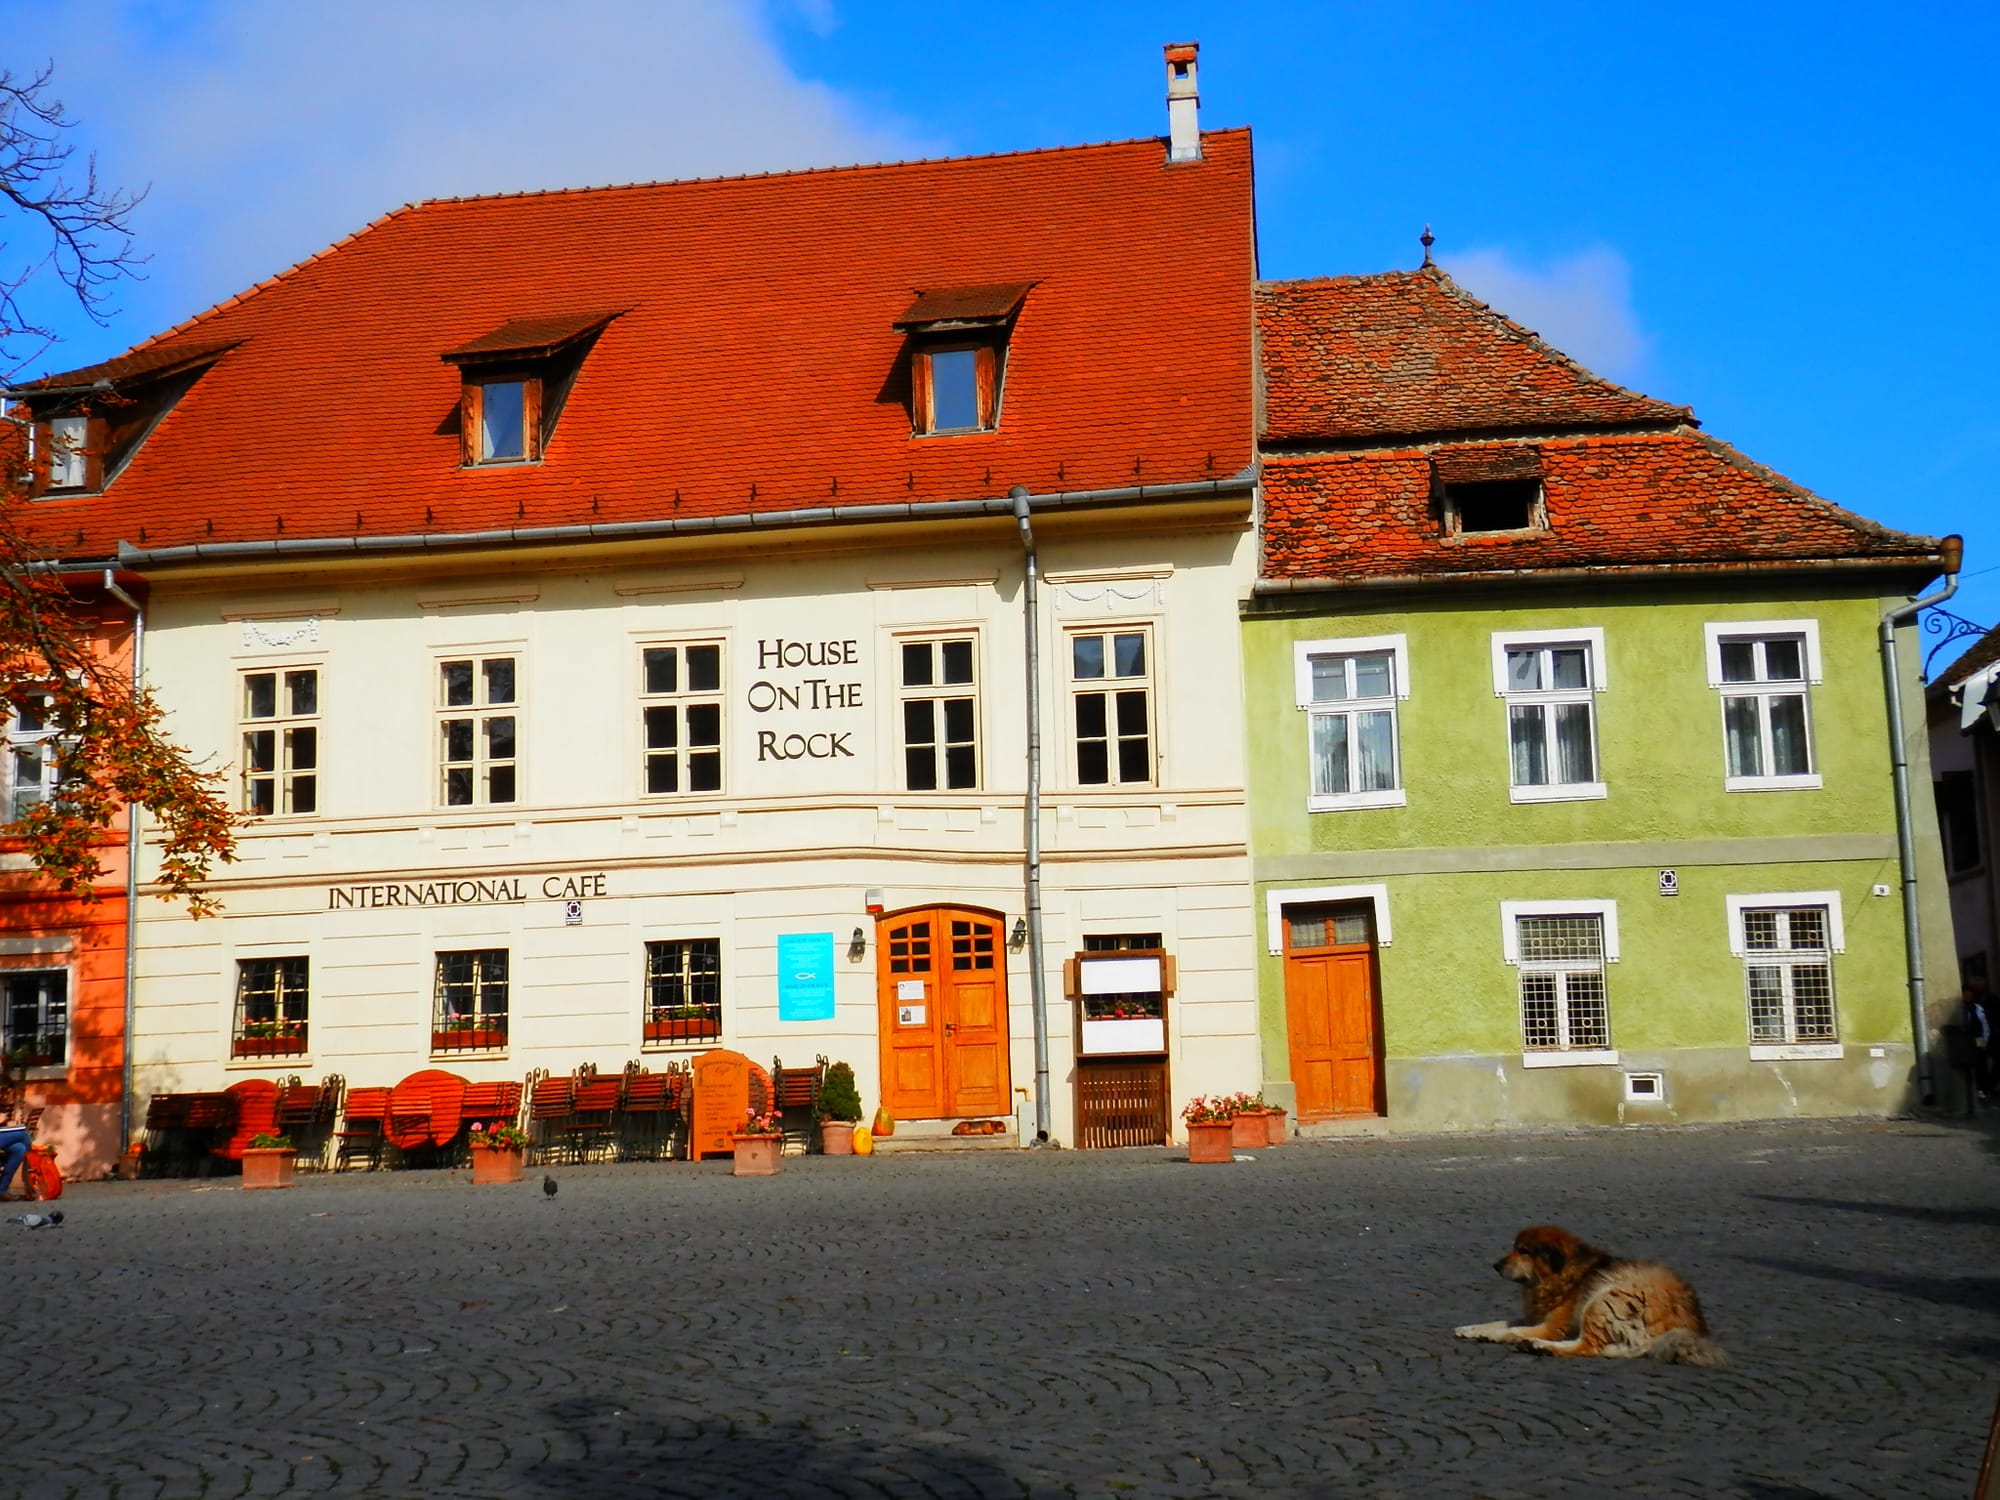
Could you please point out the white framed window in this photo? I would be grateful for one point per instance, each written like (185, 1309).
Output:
(938, 684)
(1763, 671)
(478, 751)
(683, 992)
(1111, 706)
(33, 755)
(1550, 681)
(69, 453)
(34, 1010)
(680, 715)
(280, 712)
(1349, 690)
(273, 998)
(1787, 941)
(1560, 950)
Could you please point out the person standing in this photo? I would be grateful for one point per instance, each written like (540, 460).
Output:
(1979, 1021)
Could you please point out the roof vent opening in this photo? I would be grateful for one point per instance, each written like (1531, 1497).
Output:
(1183, 102)
(1494, 504)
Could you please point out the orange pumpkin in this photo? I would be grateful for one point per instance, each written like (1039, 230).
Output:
(864, 1141)
(885, 1123)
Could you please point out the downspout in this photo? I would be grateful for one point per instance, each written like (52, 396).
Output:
(131, 871)
(1949, 557)
(1032, 814)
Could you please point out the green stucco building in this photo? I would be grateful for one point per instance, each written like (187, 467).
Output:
(1570, 794)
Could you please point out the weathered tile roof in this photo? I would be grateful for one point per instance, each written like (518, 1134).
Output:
(167, 356)
(1614, 500)
(1407, 353)
(756, 370)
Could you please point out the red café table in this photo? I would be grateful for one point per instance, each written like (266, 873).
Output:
(424, 1109)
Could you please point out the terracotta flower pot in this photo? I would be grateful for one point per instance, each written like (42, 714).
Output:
(492, 1164)
(1211, 1143)
(1249, 1130)
(757, 1155)
(1274, 1123)
(836, 1137)
(268, 1167)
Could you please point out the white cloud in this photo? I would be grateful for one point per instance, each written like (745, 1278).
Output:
(268, 131)
(1582, 304)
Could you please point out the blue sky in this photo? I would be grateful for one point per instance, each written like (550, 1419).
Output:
(1782, 215)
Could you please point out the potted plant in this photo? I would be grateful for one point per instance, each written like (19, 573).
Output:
(758, 1140)
(498, 1151)
(268, 1162)
(838, 1111)
(1209, 1127)
(270, 1039)
(1246, 1114)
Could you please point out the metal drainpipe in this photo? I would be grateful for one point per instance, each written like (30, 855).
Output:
(1949, 557)
(1032, 815)
(131, 871)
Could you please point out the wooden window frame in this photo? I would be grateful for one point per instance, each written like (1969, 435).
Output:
(989, 374)
(472, 403)
(43, 439)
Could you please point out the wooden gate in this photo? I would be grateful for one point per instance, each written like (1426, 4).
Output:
(1121, 1101)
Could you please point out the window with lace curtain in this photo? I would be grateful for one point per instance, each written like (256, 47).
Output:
(1550, 683)
(1763, 672)
(1349, 690)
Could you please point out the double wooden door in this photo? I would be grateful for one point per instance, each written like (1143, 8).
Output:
(941, 978)
(1332, 1010)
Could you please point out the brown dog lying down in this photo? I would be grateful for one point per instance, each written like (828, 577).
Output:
(1577, 1300)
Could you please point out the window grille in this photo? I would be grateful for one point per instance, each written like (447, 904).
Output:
(272, 1003)
(1563, 1004)
(36, 1016)
(470, 1011)
(683, 991)
(1788, 976)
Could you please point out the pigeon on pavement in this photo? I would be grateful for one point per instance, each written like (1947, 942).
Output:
(548, 1187)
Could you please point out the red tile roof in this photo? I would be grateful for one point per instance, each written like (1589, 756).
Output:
(756, 371)
(151, 361)
(1614, 500)
(1408, 353)
(529, 337)
(964, 304)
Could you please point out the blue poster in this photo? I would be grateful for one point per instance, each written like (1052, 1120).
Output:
(805, 976)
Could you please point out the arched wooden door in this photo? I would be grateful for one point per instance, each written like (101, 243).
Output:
(941, 984)
(1332, 1014)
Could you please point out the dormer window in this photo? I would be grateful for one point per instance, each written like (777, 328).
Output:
(515, 380)
(958, 356)
(86, 425)
(1489, 491)
(69, 453)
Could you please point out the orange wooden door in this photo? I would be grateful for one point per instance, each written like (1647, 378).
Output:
(1332, 1014)
(942, 992)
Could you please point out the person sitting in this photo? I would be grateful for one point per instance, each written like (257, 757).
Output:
(15, 1138)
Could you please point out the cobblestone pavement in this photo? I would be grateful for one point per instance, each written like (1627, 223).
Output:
(1017, 1324)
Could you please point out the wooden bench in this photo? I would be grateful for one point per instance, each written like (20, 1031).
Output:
(795, 1097)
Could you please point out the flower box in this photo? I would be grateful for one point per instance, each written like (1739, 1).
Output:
(1248, 1130)
(1129, 1034)
(757, 1155)
(289, 1045)
(268, 1167)
(496, 1164)
(1274, 1125)
(697, 1029)
(468, 1039)
(1210, 1143)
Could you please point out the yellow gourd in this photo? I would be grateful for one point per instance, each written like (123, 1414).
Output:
(864, 1141)
(885, 1123)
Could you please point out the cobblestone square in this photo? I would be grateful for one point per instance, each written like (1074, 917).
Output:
(1018, 1324)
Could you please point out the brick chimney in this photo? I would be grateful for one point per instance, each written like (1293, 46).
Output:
(1183, 102)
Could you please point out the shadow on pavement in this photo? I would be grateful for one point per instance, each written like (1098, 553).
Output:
(1759, 1489)
(1978, 1292)
(740, 1466)
(1981, 1215)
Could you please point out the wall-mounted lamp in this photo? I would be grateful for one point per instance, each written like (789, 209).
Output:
(857, 946)
(1019, 936)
